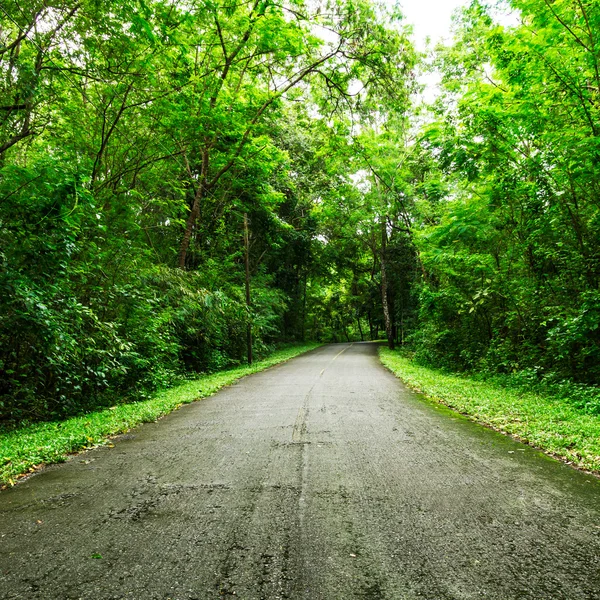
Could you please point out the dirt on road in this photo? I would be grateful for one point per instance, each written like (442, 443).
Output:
(323, 478)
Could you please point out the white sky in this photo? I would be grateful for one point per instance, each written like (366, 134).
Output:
(430, 18)
(433, 19)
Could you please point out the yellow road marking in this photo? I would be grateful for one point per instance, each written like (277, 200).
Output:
(342, 352)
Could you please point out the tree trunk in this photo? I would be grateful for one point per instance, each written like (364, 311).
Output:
(344, 330)
(304, 310)
(193, 216)
(189, 227)
(402, 328)
(248, 303)
(384, 288)
(362, 337)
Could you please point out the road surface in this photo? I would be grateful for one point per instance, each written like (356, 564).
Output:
(322, 478)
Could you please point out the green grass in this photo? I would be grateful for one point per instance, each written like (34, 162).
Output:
(546, 422)
(24, 450)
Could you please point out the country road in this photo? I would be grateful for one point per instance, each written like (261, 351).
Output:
(322, 478)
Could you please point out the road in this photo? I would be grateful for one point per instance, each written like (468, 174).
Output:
(322, 478)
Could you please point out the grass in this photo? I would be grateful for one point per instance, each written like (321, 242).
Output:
(547, 422)
(25, 450)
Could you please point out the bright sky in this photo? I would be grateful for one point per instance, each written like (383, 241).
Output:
(430, 18)
(433, 19)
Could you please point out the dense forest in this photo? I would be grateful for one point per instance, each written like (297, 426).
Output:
(182, 182)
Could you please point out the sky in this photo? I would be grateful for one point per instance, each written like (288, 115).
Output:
(430, 18)
(433, 19)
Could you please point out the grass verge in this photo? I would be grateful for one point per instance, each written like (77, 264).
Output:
(25, 450)
(543, 421)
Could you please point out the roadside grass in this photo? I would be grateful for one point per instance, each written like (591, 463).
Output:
(26, 449)
(544, 421)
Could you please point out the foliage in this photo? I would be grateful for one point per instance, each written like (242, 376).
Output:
(136, 140)
(512, 254)
(133, 140)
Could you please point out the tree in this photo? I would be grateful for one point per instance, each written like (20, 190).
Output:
(134, 139)
(512, 256)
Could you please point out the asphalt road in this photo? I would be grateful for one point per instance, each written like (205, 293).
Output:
(322, 478)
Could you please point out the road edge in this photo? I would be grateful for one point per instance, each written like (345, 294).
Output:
(26, 451)
(573, 448)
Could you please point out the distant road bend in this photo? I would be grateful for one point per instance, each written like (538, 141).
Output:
(322, 478)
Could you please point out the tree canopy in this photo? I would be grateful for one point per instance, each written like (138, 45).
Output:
(178, 179)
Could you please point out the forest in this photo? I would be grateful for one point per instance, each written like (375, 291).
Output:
(185, 185)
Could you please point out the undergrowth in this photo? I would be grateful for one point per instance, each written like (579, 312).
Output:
(26, 449)
(555, 423)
